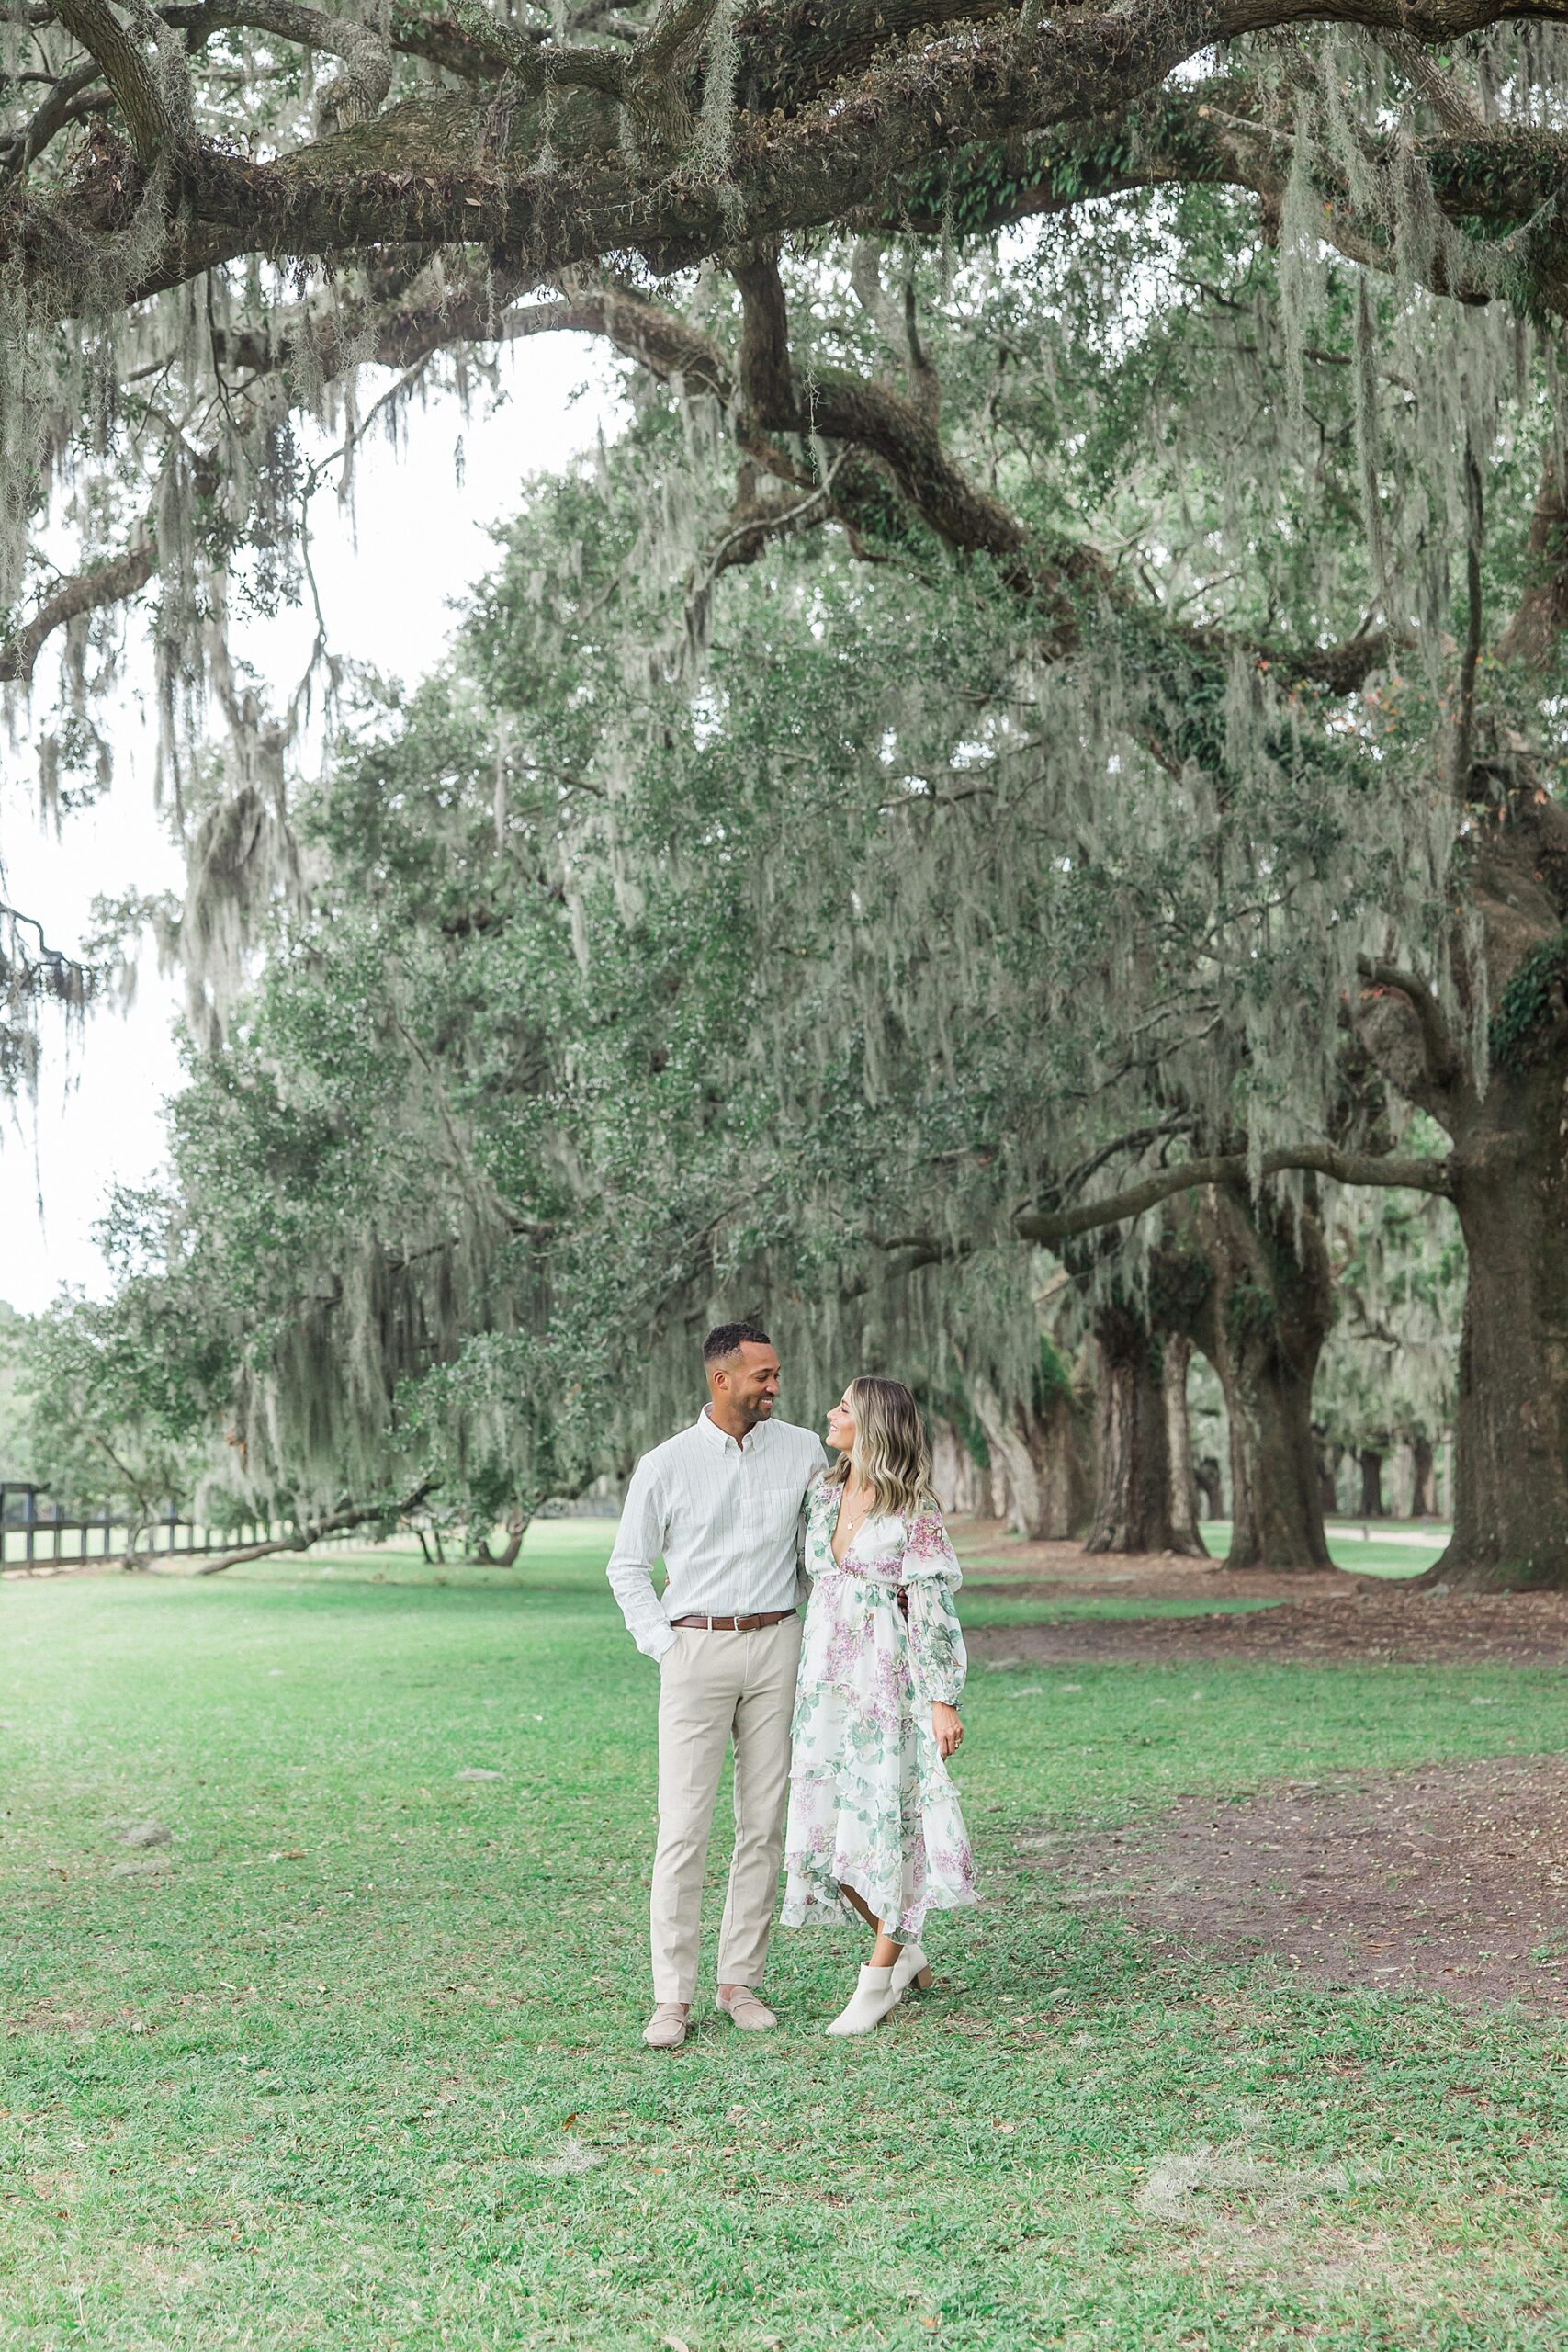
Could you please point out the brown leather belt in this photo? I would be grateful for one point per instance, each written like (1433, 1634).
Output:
(736, 1624)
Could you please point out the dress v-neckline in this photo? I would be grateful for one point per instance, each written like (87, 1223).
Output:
(869, 1520)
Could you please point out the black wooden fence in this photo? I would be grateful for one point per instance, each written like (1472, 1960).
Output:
(36, 1533)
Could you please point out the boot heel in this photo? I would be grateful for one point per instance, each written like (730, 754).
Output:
(925, 1980)
(911, 1968)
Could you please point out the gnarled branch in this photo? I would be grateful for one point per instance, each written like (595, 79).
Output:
(1049, 1227)
(437, 170)
(301, 1539)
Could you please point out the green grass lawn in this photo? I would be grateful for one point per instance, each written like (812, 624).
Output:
(1371, 1555)
(359, 2066)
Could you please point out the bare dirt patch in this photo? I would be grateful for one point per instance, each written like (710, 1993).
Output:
(1368, 1625)
(1450, 1879)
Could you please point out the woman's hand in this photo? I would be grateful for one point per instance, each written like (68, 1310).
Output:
(946, 1730)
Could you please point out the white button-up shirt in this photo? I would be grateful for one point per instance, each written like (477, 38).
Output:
(726, 1518)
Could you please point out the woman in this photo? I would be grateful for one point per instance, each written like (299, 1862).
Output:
(874, 1819)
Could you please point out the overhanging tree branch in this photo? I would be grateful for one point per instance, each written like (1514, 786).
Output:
(1487, 182)
(91, 591)
(1049, 1227)
(443, 169)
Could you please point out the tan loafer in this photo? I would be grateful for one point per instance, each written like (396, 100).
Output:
(743, 2008)
(666, 2028)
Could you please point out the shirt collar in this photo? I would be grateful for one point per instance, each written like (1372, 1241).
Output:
(721, 1438)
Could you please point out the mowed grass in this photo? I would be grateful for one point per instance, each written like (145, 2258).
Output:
(1403, 1553)
(360, 2068)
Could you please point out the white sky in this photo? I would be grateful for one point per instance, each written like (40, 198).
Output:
(386, 579)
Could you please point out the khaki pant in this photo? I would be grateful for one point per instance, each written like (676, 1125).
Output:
(715, 1688)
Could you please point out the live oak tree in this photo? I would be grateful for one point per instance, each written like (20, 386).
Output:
(1248, 1281)
(1477, 831)
(203, 240)
(501, 849)
(1200, 537)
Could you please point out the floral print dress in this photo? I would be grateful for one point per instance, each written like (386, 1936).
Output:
(871, 1806)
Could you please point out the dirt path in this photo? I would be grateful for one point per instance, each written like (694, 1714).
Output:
(991, 1556)
(1449, 1879)
(1318, 1616)
(1369, 1626)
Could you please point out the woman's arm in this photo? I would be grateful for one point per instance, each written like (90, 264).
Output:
(927, 1551)
(937, 1654)
(938, 1660)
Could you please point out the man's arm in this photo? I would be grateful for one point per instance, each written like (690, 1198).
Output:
(639, 1540)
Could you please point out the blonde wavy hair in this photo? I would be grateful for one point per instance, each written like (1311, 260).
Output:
(891, 1453)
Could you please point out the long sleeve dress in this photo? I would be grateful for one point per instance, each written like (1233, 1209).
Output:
(871, 1806)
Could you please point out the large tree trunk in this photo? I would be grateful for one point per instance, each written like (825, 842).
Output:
(1184, 1506)
(1370, 1458)
(1042, 1449)
(1132, 1512)
(1509, 1169)
(1262, 1328)
(995, 1482)
(1508, 954)
(1511, 1470)
(1424, 1479)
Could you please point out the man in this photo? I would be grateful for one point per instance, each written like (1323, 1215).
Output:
(722, 1502)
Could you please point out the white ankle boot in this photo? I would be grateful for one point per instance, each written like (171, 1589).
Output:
(875, 1994)
(912, 1967)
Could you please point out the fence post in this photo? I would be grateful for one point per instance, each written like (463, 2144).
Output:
(29, 1518)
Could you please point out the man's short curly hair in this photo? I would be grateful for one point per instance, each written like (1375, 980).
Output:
(726, 1340)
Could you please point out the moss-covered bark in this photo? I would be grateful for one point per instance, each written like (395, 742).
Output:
(1511, 1471)
(1261, 1324)
(1132, 1512)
